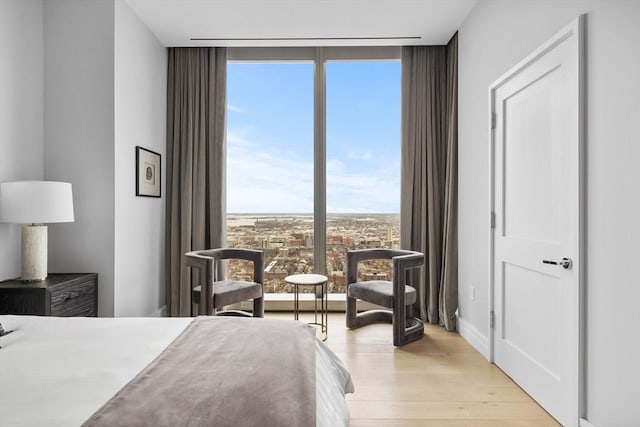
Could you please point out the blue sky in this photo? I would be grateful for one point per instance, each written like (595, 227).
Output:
(270, 137)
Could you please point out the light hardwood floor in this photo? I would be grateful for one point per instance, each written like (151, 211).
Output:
(438, 381)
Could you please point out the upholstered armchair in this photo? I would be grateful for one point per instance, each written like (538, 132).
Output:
(211, 294)
(397, 295)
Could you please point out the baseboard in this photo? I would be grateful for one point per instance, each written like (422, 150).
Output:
(585, 423)
(161, 312)
(473, 337)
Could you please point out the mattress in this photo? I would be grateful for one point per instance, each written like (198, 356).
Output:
(59, 371)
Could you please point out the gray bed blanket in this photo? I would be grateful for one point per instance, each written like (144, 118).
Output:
(223, 372)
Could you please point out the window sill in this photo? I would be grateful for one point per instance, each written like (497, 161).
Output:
(284, 302)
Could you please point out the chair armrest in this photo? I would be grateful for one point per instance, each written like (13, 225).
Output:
(402, 260)
(198, 259)
(402, 263)
(254, 255)
(407, 261)
(201, 259)
(204, 264)
(359, 255)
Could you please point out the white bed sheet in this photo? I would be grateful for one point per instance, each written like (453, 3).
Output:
(59, 371)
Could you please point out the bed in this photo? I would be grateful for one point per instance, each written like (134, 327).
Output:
(65, 371)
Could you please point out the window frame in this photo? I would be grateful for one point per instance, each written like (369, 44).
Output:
(319, 56)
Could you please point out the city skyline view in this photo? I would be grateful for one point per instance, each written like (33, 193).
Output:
(287, 241)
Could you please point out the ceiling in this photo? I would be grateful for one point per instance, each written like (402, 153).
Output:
(302, 22)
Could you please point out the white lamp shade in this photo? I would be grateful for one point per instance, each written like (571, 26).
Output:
(36, 202)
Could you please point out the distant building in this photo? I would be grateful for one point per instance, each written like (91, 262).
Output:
(287, 242)
(376, 276)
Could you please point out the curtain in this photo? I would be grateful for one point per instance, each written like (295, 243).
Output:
(428, 210)
(196, 120)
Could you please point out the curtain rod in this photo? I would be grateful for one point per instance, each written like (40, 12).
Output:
(303, 38)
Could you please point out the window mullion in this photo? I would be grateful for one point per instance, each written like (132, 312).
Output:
(320, 165)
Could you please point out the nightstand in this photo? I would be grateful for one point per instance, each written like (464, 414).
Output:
(65, 295)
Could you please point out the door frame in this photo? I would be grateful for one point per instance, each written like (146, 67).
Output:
(575, 32)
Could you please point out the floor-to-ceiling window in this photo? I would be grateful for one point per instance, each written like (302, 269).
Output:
(313, 159)
(363, 164)
(270, 167)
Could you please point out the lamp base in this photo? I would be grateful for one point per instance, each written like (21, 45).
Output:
(34, 253)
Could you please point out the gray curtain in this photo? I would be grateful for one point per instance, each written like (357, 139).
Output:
(428, 208)
(196, 120)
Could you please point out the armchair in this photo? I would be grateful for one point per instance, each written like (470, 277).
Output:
(219, 293)
(396, 295)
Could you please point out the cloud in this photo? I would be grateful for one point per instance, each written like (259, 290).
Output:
(236, 109)
(376, 190)
(366, 155)
(266, 181)
(237, 139)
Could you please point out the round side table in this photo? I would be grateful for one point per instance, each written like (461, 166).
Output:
(315, 280)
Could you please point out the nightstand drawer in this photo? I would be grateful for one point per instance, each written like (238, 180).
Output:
(63, 295)
(75, 299)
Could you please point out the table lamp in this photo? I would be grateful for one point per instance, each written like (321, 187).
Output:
(33, 203)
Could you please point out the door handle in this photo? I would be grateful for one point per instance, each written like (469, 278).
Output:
(566, 263)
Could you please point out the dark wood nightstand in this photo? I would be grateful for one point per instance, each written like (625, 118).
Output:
(65, 295)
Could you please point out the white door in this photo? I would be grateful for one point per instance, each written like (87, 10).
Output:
(536, 202)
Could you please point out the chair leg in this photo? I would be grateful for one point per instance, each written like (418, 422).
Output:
(352, 312)
(406, 328)
(356, 320)
(258, 307)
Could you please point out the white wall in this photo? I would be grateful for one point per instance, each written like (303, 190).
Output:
(21, 110)
(79, 135)
(494, 37)
(140, 119)
(82, 83)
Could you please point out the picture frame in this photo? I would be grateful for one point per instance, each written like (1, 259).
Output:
(148, 173)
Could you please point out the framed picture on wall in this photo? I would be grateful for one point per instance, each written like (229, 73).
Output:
(147, 173)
